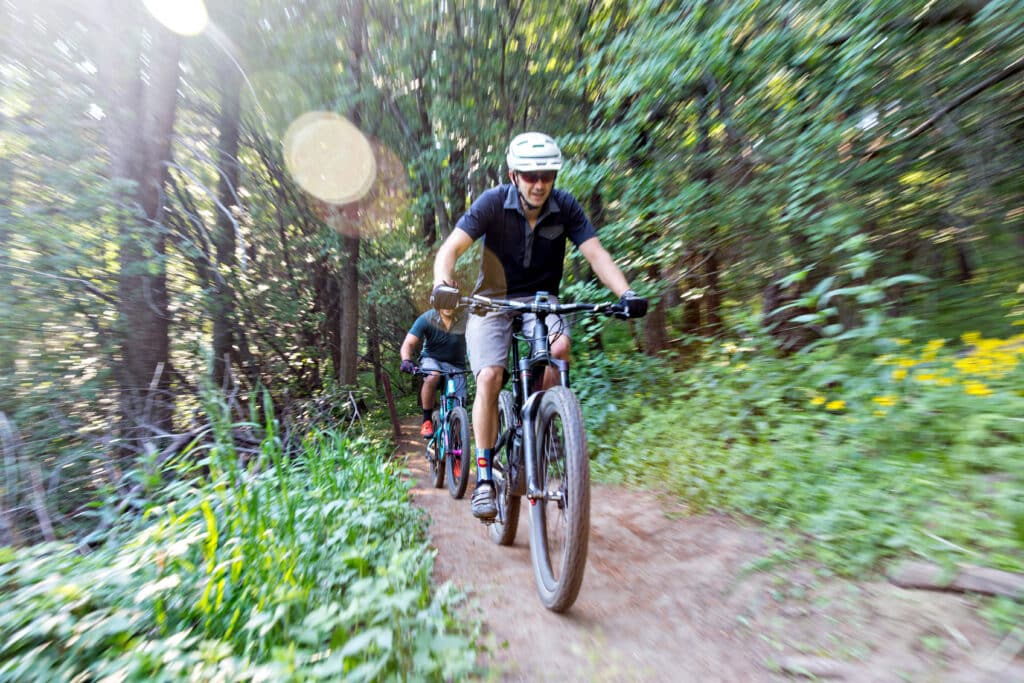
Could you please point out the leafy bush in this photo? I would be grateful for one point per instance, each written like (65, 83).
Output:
(917, 453)
(309, 569)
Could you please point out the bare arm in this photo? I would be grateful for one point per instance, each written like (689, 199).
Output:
(408, 347)
(604, 267)
(444, 263)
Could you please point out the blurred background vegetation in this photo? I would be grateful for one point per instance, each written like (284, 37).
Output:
(824, 200)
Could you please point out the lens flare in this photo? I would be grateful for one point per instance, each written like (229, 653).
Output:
(185, 17)
(382, 207)
(329, 157)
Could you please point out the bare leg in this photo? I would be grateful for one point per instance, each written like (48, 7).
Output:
(429, 390)
(485, 406)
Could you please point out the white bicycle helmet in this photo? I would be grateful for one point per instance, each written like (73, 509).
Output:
(533, 152)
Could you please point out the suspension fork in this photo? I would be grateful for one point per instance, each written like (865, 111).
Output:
(530, 410)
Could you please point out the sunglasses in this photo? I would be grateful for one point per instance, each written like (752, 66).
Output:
(542, 176)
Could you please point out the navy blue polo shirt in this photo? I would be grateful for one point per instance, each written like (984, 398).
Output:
(447, 346)
(518, 261)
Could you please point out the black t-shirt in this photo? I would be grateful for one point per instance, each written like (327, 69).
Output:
(448, 346)
(518, 261)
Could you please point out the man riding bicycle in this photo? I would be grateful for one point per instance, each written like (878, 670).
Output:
(443, 333)
(524, 225)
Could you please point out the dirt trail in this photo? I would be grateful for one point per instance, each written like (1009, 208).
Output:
(668, 597)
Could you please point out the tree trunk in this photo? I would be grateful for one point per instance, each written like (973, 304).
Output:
(349, 311)
(8, 340)
(373, 346)
(428, 217)
(141, 109)
(347, 376)
(712, 294)
(227, 162)
(328, 298)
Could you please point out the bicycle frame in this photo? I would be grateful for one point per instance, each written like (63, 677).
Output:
(449, 400)
(527, 392)
(528, 373)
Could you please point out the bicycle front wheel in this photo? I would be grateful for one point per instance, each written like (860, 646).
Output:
(457, 457)
(560, 521)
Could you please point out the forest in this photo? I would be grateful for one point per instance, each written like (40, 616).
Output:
(216, 228)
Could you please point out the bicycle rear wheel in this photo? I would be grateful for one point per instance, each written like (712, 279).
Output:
(457, 455)
(503, 530)
(560, 522)
(435, 453)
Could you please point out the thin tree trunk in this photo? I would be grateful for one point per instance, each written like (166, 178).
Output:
(8, 341)
(712, 294)
(347, 375)
(227, 163)
(349, 311)
(373, 346)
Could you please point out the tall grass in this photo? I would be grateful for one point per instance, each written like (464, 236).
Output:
(311, 567)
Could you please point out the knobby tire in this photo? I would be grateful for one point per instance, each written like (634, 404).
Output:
(458, 452)
(435, 457)
(560, 529)
(503, 530)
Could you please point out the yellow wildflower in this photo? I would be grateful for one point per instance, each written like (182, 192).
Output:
(976, 389)
(837, 404)
(817, 400)
(899, 374)
(886, 400)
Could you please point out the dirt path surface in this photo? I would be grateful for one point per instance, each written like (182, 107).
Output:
(670, 597)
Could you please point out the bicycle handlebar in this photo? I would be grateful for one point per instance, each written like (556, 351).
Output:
(536, 305)
(454, 373)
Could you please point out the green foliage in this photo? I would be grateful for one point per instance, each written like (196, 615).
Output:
(313, 568)
(908, 453)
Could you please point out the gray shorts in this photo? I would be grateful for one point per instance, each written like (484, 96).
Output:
(428, 364)
(488, 337)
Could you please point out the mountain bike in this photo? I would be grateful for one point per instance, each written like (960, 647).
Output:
(449, 449)
(541, 452)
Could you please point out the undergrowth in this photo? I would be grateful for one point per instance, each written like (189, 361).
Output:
(313, 567)
(910, 452)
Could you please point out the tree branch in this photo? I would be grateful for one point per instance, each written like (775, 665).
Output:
(969, 94)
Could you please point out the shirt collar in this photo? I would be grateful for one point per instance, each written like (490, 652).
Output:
(512, 202)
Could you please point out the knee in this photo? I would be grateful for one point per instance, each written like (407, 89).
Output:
(488, 380)
(560, 348)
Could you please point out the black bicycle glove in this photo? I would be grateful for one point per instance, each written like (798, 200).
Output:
(408, 366)
(633, 305)
(444, 296)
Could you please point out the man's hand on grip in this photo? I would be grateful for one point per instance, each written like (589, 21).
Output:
(633, 305)
(445, 295)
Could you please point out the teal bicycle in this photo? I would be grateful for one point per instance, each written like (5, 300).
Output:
(448, 451)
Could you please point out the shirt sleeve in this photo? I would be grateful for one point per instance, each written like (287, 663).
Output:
(578, 227)
(419, 328)
(480, 214)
